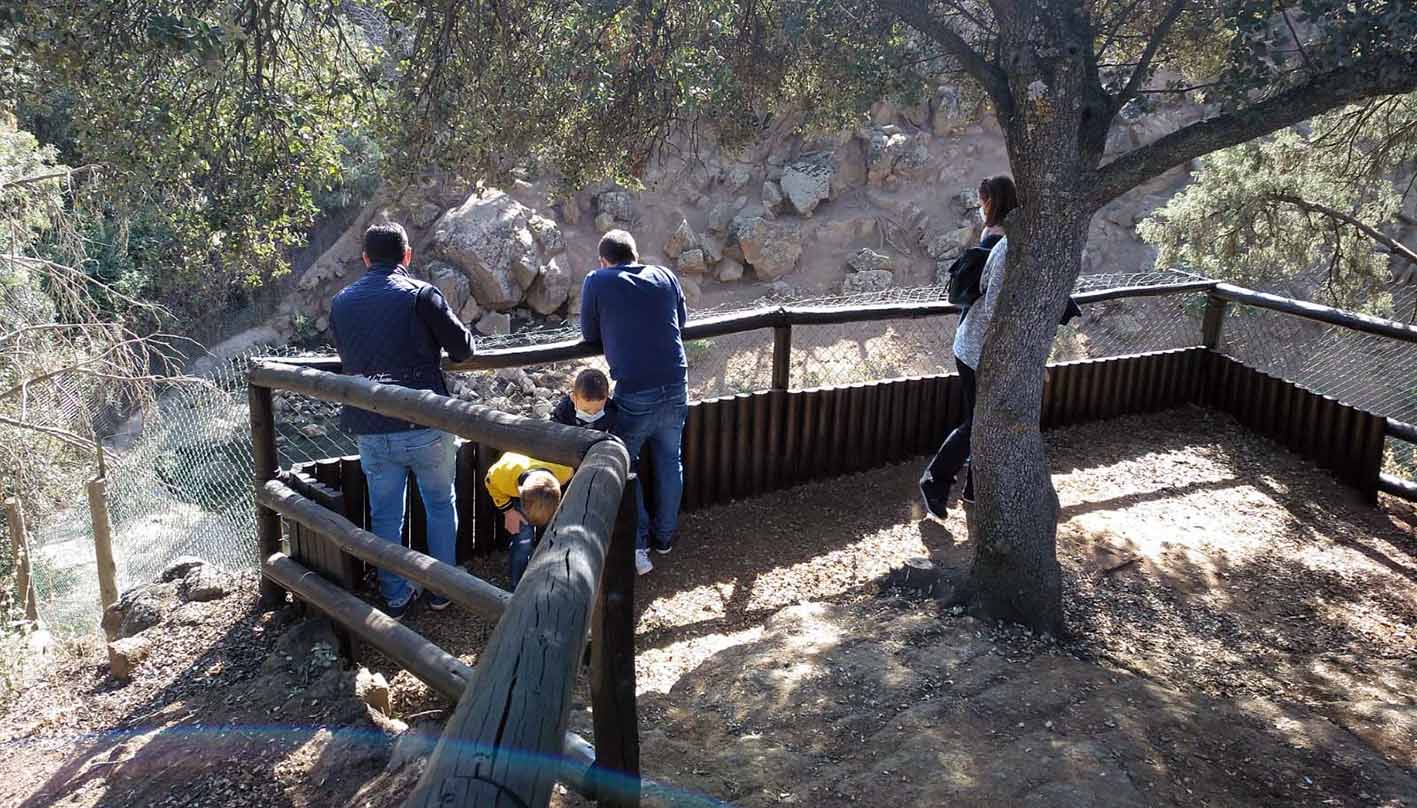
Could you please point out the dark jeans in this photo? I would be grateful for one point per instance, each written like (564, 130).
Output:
(523, 543)
(954, 452)
(655, 419)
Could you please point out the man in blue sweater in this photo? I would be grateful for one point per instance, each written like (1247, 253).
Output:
(393, 329)
(637, 314)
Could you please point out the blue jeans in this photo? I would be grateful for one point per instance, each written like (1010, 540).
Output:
(655, 418)
(523, 543)
(387, 459)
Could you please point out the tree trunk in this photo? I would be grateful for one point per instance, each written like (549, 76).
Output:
(1053, 149)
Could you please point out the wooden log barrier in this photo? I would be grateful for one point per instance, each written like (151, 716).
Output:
(545, 440)
(265, 465)
(103, 545)
(443, 672)
(503, 742)
(451, 582)
(614, 779)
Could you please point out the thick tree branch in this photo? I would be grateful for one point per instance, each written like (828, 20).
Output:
(1153, 46)
(1397, 247)
(1388, 75)
(916, 14)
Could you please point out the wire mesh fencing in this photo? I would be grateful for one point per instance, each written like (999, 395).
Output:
(1367, 371)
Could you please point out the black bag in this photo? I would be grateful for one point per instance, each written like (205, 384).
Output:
(966, 270)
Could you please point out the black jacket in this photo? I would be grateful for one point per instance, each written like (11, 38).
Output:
(966, 271)
(565, 413)
(393, 329)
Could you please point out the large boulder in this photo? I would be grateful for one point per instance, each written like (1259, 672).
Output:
(950, 110)
(548, 235)
(867, 260)
(808, 182)
(451, 282)
(720, 216)
(142, 607)
(551, 289)
(729, 270)
(693, 293)
(692, 261)
(772, 196)
(771, 247)
(489, 238)
(495, 322)
(875, 280)
(681, 239)
(620, 205)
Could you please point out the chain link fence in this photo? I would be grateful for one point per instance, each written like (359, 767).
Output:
(1367, 371)
(181, 483)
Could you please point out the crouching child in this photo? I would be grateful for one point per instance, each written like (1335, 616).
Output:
(527, 492)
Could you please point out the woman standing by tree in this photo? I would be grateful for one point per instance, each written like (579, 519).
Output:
(997, 197)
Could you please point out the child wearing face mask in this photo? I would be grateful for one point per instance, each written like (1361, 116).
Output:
(588, 403)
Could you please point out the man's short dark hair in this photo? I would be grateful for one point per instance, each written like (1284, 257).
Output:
(385, 243)
(592, 385)
(618, 247)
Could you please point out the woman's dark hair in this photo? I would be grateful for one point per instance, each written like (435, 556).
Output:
(998, 196)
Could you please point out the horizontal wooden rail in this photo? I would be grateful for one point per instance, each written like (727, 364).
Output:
(508, 727)
(1401, 430)
(1398, 487)
(1118, 292)
(545, 440)
(451, 582)
(1391, 329)
(442, 671)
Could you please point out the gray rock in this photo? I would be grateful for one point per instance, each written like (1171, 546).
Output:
(619, 204)
(692, 261)
(890, 153)
(470, 311)
(712, 247)
(720, 216)
(874, 280)
(205, 583)
(772, 196)
(179, 567)
(125, 655)
(551, 289)
(570, 212)
(692, 291)
(548, 235)
(729, 270)
(139, 609)
(604, 222)
(737, 176)
(772, 248)
(681, 239)
(489, 239)
(495, 322)
(867, 260)
(808, 182)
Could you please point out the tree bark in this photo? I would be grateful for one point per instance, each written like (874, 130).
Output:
(1053, 152)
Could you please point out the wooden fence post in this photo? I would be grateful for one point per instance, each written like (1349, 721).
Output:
(103, 545)
(616, 774)
(1215, 307)
(781, 357)
(265, 466)
(24, 580)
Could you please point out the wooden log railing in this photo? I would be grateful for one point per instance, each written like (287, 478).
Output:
(508, 734)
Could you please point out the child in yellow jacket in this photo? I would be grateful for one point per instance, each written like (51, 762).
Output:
(528, 492)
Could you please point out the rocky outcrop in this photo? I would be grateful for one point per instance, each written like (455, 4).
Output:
(868, 260)
(551, 289)
(770, 247)
(873, 280)
(489, 239)
(893, 154)
(808, 182)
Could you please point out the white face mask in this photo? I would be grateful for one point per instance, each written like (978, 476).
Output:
(590, 417)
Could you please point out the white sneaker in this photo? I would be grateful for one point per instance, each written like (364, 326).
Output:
(643, 566)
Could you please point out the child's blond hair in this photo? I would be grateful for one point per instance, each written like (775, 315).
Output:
(540, 495)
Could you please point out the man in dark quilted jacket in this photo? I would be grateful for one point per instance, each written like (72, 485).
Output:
(393, 329)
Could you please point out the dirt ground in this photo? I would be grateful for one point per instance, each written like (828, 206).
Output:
(1243, 631)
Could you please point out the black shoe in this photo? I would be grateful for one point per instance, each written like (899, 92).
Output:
(438, 603)
(933, 496)
(663, 549)
(397, 612)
